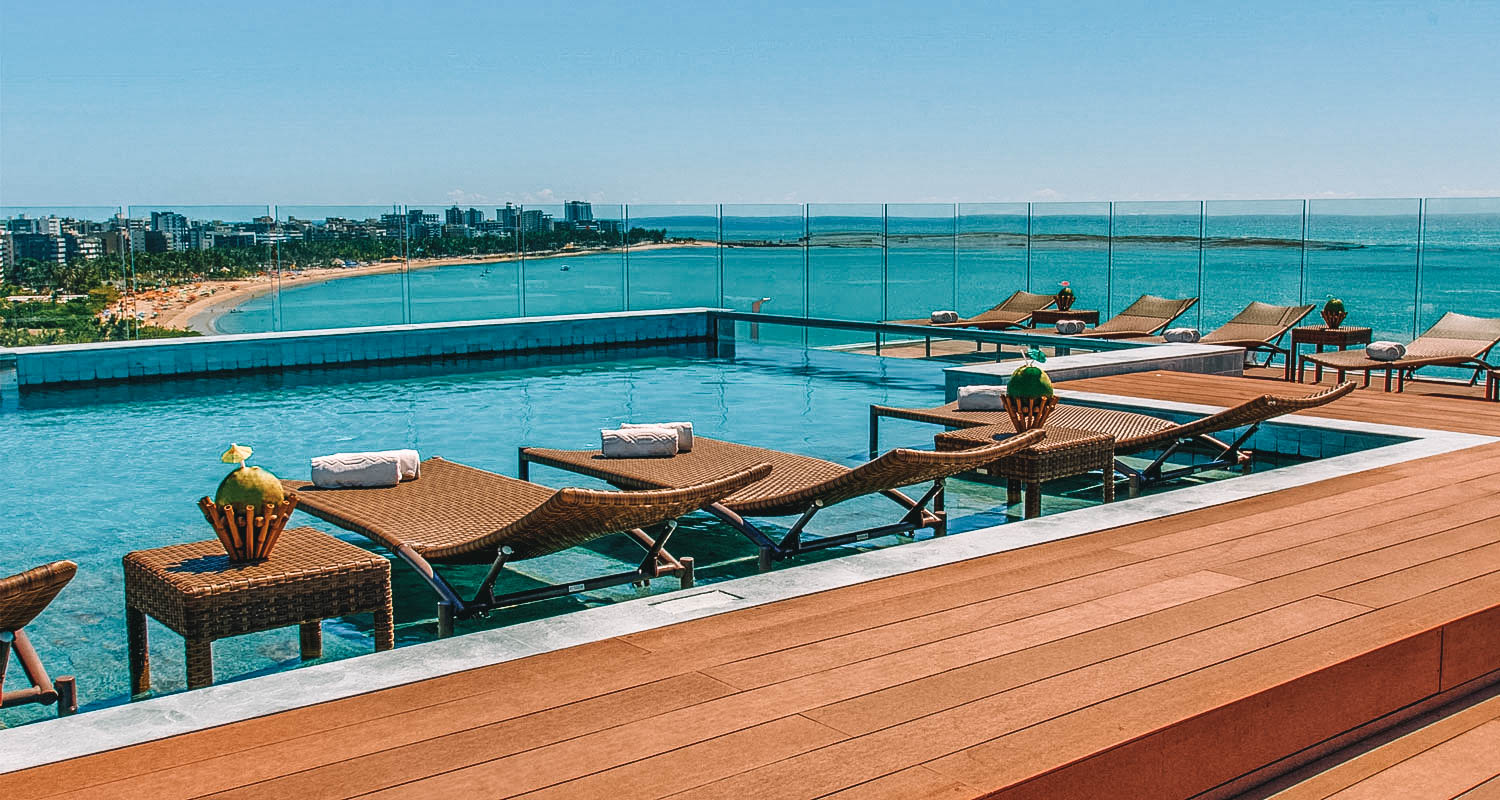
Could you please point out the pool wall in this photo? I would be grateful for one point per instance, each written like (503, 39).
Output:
(116, 361)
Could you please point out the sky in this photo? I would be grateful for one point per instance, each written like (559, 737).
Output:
(154, 102)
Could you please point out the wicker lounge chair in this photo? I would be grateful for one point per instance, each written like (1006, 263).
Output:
(1012, 313)
(1138, 433)
(1456, 340)
(22, 598)
(1147, 316)
(797, 484)
(1257, 328)
(459, 514)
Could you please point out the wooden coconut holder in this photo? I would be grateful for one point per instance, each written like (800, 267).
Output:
(1334, 318)
(1065, 301)
(1029, 412)
(248, 532)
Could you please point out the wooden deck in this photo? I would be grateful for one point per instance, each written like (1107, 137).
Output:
(1200, 653)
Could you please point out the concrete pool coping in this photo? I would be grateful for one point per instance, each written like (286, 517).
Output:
(113, 727)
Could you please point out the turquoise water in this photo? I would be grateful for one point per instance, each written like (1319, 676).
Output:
(872, 267)
(100, 471)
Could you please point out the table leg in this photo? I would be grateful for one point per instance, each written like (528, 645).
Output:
(1012, 491)
(200, 663)
(310, 635)
(1033, 500)
(1318, 368)
(1291, 358)
(385, 627)
(140, 653)
(1109, 478)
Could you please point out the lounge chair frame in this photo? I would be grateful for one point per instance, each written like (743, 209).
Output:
(925, 512)
(22, 597)
(559, 507)
(1455, 340)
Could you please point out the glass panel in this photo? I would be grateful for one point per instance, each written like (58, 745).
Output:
(1252, 250)
(992, 254)
(845, 267)
(1070, 242)
(673, 256)
(226, 253)
(574, 263)
(1460, 260)
(765, 261)
(340, 266)
(921, 259)
(1365, 252)
(1155, 251)
(68, 267)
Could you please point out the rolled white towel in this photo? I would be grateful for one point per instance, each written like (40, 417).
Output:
(356, 470)
(684, 432)
(411, 462)
(1188, 335)
(1068, 327)
(638, 443)
(981, 398)
(1385, 351)
(944, 316)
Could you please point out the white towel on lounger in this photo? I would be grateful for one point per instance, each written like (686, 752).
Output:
(684, 432)
(1187, 335)
(981, 398)
(638, 443)
(1385, 351)
(356, 470)
(1068, 327)
(943, 316)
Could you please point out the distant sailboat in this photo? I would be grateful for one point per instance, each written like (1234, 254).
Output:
(565, 268)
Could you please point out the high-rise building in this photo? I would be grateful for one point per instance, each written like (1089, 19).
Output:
(49, 226)
(535, 221)
(168, 222)
(79, 248)
(7, 251)
(577, 211)
(41, 247)
(508, 217)
(453, 216)
(473, 217)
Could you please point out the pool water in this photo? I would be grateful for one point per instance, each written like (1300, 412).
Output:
(95, 472)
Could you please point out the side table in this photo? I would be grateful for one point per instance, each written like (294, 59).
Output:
(195, 590)
(1050, 316)
(1063, 453)
(1342, 337)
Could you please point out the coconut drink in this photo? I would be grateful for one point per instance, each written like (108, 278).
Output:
(1029, 398)
(249, 509)
(1064, 297)
(1334, 313)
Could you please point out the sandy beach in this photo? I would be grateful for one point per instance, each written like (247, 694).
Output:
(195, 306)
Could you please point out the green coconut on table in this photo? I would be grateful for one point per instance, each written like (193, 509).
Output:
(247, 486)
(1334, 306)
(1030, 380)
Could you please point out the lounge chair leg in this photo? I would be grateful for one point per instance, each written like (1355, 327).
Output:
(445, 620)
(767, 556)
(310, 639)
(685, 575)
(1012, 491)
(67, 695)
(1135, 486)
(874, 432)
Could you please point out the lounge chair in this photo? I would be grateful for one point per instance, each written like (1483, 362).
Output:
(22, 598)
(1012, 313)
(459, 514)
(1147, 316)
(1138, 433)
(1456, 340)
(1257, 328)
(797, 484)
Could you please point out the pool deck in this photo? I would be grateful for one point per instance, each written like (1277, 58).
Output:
(1197, 654)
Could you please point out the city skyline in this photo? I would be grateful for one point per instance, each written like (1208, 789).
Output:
(474, 104)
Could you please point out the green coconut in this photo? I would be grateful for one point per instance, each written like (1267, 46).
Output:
(249, 486)
(1029, 381)
(1334, 306)
(1065, 291)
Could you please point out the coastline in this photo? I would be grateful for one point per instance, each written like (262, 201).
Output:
(197, 306)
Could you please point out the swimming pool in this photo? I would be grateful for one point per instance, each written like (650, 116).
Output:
(100, 470)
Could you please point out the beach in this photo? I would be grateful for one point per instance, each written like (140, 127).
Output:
(196, 306)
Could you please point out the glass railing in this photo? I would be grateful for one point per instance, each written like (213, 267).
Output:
(1398, 264)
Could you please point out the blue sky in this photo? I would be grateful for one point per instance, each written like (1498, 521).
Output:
(328, 102)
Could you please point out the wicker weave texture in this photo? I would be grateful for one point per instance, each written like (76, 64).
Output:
(1119, 424)
(455, 511)
(1012, 312)
(1454, 340)
(1047, 453)
(24, 595)
(195, 589)
(1258, 324)
(1145, 316)
(1250, 412)
(793, 483)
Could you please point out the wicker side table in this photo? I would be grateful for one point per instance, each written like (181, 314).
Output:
(1050, 316)
(1321, 336)
(1064, 453)
(196, 591)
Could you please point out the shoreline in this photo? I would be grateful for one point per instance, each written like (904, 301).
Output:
(207, 301)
